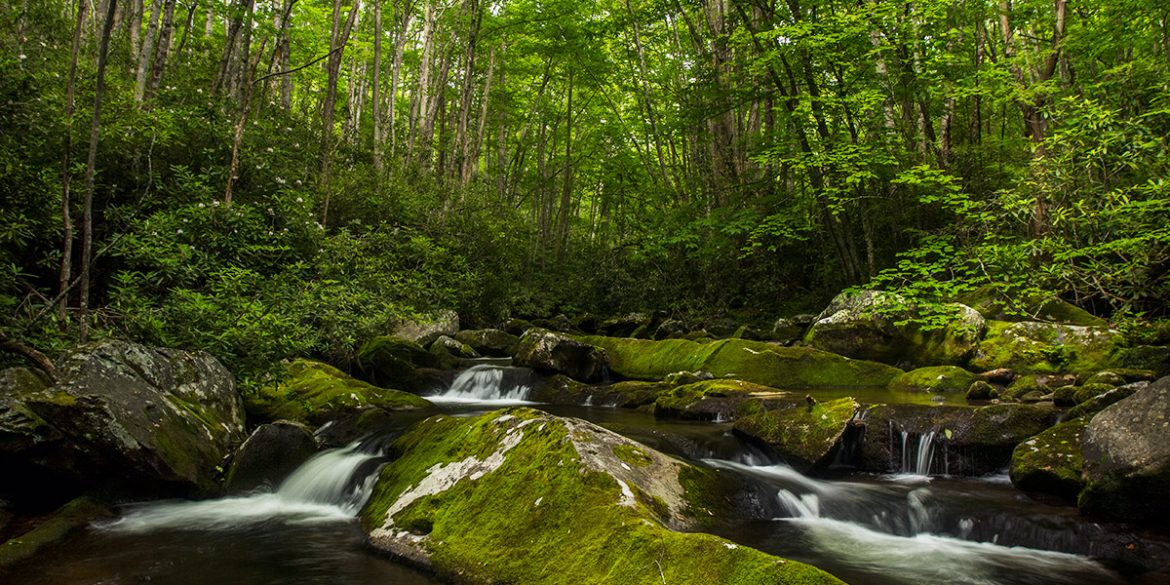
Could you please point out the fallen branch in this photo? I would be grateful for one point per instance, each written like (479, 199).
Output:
(38, 359)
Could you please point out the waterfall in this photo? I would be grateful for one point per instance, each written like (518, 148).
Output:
(487, 383)
(331, 486)
(802, 506)
(919, 461)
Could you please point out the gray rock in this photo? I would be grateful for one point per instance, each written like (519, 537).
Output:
(551, 352)
(1127, 457)
(628, 325)
(427, 328)
(490, 342)
(269, 455)
(155, 416)
(453, 347)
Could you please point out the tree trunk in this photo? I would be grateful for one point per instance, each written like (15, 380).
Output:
(146, 52)
(396, 70)
(377, 96)
(66, 172)
(161, 50)
(91, 163)
(470, 158)
(337, 40)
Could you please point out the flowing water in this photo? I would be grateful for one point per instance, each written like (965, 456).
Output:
(916, 527)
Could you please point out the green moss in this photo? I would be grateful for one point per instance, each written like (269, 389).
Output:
(934, 379)
(980, 390)
(542, 517)
(1099, 400)
(53, 531)
(315, 392)
(990, 303)
(1090, 391)
(632, 455)
(1044, 348)
(1021, 386)
(392, 361)
(803, 435)
(1065, 395)
(1051, 461)
(753, 361)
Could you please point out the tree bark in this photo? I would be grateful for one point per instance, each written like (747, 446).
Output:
(146, 52)
(161, 50)
(337, 40)
(377, 96)
(91, 163)
(66, 162)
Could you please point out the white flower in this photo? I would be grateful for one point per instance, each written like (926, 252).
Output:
(269, 149)
(215, 203)
(179, 231)
(280, 181)
(298, 181)
(201, 206)
(300, 199)
(23, 56)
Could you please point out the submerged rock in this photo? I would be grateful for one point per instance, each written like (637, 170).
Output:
(1127, 457)
(866, 325)
(317, 393)
(1051, 462)
(758, 362)
(805, 435)
(490, 342)
(520, 496)
(144, 416)
(551, 352)
(54, 530)
(269, 455)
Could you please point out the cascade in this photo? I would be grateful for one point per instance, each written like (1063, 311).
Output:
(481, 383)
(331, 486)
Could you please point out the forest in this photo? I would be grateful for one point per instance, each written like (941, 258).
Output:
(289, 185)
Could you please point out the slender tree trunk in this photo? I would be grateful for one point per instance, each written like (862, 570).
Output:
(396, 69)
(377, 96)
(470, 158)
(91, 163)
(66, 171)
(567, 184)
(161, 50)
(147, 51)
(137, 7)
(338, 38)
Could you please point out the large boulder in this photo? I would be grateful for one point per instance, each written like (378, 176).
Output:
(520, 496)
(1051, 462)
(426, 328)
(1046, 348)
(967, 441)
(556, 353)
(1127, 457)
(152, 417)
(394, 361)
(628, 325)
(883, 327)
(806, 436)
(269, 455)
(720, 400)
(992, 303)
(316, 393)
(768, 364)
(490, 342)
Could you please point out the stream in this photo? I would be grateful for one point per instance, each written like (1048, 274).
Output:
(901, 529)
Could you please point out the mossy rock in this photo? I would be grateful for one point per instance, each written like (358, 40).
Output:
(992, 304)
(520, 496)
(884, 327)
(557, 353)
(1090, 391)
(1021, 386)
(980, 390)
(53, 531)
(1046, 348)
(806, 436)
(719, 400)
(934, 379)
(1051, 462)
(758, 362)
(315, 393)
(1152, 358)
(490, 342)
(391, 361)
(1065, 395)
(1099, 400)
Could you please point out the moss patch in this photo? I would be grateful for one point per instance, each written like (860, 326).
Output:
(1051, 462)
(1045, 348)
(934, 379)
(532, 508)
(993, 305)
(53, 531)
(803, 435)
(315, 392)
(633, 455)
(752, 361)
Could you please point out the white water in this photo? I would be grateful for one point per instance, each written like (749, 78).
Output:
(324, 489)
(483, 384)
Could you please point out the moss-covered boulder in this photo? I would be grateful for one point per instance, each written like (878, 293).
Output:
(54, 530)
(1046, 348)
(1107, 377)
(1099, 401)
(1065, 395)
(271, 453)
(882, 326)
(967, 441)
(1127, 457)
(393, 361)
(315, 393)
(934, 379)
(806, 436)
(627, 325)
(556, 353)
(490, 342)
(1050, 463)
(453, 347)
(981, 390)
(520, 496)
(758, 362)
(1091, 391)
(146, 419)
(719, 400)
(992, 303)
